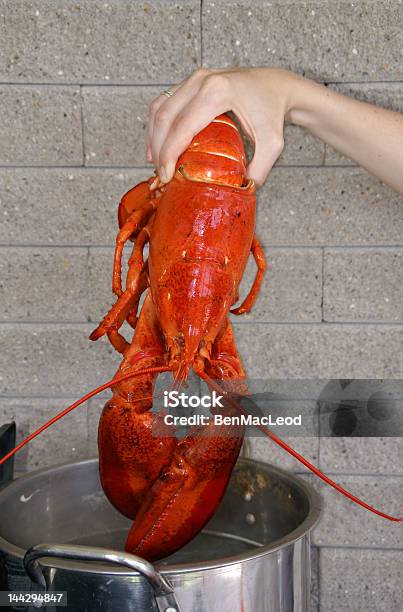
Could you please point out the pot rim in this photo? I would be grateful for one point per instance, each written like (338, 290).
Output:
(311, 519)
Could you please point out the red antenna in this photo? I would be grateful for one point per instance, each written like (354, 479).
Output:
(83, 399)
(299, 457)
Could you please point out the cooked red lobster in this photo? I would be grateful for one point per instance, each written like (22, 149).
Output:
(200, 229)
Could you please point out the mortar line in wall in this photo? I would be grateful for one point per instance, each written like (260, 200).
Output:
(149, 167)
(346, 247)
(349, 547)
(323, 324)
(88, 417)
(82, 125)
(84, 84)
(319, 415)
(270, 247)
(22, 322)
(357, 474)
(87, 268)
(312, 323)
(258, 435)
(70, 167)
(318, 576)
(95, 83)
(54, 396)
(322, 284)
(201, 33)
(375, 82)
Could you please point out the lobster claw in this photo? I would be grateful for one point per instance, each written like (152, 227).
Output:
(187, 492)
(135, 199)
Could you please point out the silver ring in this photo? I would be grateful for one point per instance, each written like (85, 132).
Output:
(167, 93)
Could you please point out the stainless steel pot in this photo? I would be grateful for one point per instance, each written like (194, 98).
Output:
(253, 556)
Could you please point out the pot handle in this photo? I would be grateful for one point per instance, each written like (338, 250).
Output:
(163, 591)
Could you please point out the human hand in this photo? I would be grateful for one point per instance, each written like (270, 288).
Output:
(260, 97)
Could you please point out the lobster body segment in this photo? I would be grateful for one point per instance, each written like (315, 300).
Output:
(201, 231)
(202, 236)
(216, 155)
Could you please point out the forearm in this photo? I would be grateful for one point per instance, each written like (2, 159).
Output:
(369, 135)
(262, 98)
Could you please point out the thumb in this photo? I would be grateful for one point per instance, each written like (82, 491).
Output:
(266, 153)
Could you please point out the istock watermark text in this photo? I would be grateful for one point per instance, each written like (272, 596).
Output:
(173, 399)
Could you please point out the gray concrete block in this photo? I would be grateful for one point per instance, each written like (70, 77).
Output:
(327, 206)
(43, 284)
(115, 41)
(40, 125)
(325, 40)
(363, 284)
(62, 206)
(334, 158)
(360, 580)
(293, 388)
(361, 455)
(66, 440)
(100, 296)
(263, 449)
(292, 287)
(386, 95)
(343, 523)
(115, 122)
(321, 351)
(301, 148)
(53, 360)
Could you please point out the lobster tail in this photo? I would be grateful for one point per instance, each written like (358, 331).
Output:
(215, 155)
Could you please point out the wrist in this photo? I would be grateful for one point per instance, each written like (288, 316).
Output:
(305, 102)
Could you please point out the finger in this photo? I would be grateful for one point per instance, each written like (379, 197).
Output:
(156, 104)
(149, 156)
(201, 110)
(166, 112)
(267, 150)
(153, 109)
(165, 115)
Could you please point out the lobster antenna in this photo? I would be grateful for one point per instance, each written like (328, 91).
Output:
(212, 384)
(80, 401)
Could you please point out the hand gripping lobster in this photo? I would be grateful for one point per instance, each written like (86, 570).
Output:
(200, 230)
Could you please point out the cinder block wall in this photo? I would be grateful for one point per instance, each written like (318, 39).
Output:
(75, 82)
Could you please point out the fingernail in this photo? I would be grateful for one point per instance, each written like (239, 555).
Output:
(170, 170)
(167, 172)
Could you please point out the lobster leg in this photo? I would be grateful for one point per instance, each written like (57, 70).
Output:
(260, 259)
(123, 236)
(135, 210)
(119, 343)
(126, 305)
(131, 456)
(188, 491)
